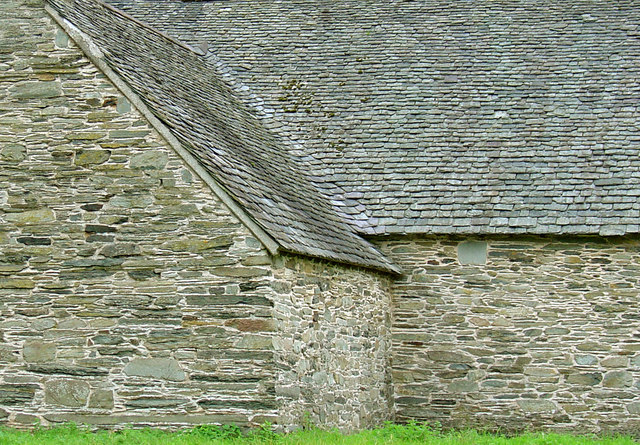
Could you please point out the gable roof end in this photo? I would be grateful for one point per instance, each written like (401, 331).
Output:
(184, 91)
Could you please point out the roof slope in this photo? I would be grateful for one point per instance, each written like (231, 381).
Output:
(445, 117)
(185, 92)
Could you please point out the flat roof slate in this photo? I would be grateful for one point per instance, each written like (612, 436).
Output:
(257, 166)
(443, 117)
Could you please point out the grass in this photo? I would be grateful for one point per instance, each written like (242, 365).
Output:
(412, 433)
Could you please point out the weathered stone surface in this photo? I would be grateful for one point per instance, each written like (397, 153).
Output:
(36, 90)
(634, 408)
(154, 160)
(38, 216)
(155, 402)
(71, 393)
(101, 399)
(541, 320)
(16, 394)
(67, 370)
(537, 406)
(332, 344)
(472, 252)
(617, 379)
(589, 378)
(39, 352)
(91, 200)
(159, 368)
(16, 283)
(164, 419)
(251, 325)
(34, 241)
(448, 356)
(88, 157)
(199, 245)
(13, 152)
(120, 250)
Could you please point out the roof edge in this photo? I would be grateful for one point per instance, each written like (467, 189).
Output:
(95, 55)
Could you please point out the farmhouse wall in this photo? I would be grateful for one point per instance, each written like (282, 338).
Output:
(333, 348)
(537, 333)
(128, 293)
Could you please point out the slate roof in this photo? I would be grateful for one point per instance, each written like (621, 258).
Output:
(257, 166)
(443, 116)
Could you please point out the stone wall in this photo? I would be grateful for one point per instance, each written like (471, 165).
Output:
(518, 333)
(333, 345)
(128, 293)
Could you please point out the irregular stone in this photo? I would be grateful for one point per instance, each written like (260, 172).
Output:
(159, 419)
(250, 341)
(159, 368)
(39, 216)
(26, 419)
(617, 379)
(92, 157)
(101, 398)
(198, 245)
(126, 134)
(17, 283)
(462, 386)
(586, 360)
(99, 228)
(13, 152)
(587, 378)
(62, 39)
(251, 324)
(234, 403)
(91, 207)
(131, 202)
(540, 371)
(615, 362)
(633, 408)
(72, 393)
(123, 106)
(36, 90)
(34, 241)
(17, 394)
(449, 357)
(120, 250)
(67, 370)
(149, 160)
(240, 272)
(537, 406)
(155, 402)
(39, 352)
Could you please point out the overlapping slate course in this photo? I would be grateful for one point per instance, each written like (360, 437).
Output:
(439, 116)
(187, 93)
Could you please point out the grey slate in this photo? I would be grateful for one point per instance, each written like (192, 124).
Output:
(257, 166)
(439, 116)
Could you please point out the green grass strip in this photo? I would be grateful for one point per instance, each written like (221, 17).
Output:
(389, 434)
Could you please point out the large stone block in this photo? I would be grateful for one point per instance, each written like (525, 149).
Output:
(157, 368)
(39, 352)
(71, 393)
(36, 90)
(28, 217)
